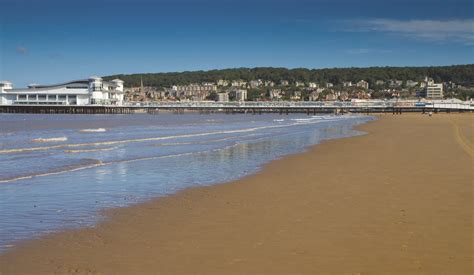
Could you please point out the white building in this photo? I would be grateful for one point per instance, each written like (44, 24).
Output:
(410, 83)
(79, 92)
(240, 95)
(269, 83)
(255, 83)
(222, 82)
(363, 84)
(222, 97)
(275, 94)
(239, 83)
(433, 90)
(299, 84)
(347, 84)
(395, 83)
(313, 85)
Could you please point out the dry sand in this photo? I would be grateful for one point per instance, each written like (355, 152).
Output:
(398, 200)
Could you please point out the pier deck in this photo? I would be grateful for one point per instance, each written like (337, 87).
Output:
(309, 108)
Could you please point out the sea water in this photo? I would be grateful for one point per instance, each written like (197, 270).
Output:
(59, 171)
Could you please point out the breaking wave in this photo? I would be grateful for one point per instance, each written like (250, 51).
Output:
(98, 130)
(56, 139)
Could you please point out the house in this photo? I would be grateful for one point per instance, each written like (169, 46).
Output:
(410, 83)
(395, 83)
(275, 94)
(239, 83)
(240, 94)
(363, 84)
(330, 97)
(222, 97)
(255, 83)
(222, 83)
(347, 84)
(299, 84)
(269, 83)
(296, 95)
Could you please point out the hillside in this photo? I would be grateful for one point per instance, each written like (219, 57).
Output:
(460, 74)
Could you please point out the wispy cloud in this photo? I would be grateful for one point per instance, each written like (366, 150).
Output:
(22, 50)
(55, 55)
(459, 31)
(367, 51)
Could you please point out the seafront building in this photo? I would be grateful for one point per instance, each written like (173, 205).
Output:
(240, 95)
(222, 97)
(433, 90)
(78, 92)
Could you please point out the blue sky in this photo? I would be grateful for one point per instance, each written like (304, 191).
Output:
(48, 41)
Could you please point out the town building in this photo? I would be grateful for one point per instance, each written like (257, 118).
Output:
(330, 96)
(313, 85)
(433, 90)
(347, 84)
(223, 97)
(395, 83)
(284, 83)
(379, 82)
(296, 95)
(299, 84)
(314, 95)
(255, 83)
(195, 92)
(275, 94)
(410, 83)
(222, 82)
(329, 85)
(239, 83)
(269, 83)
(240, 94)
(363, 84)
(78, 92)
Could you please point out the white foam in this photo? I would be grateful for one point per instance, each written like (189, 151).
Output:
(56, 139)
(98, 130)
(91, 150)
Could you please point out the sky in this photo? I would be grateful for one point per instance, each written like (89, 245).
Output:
(49, 41)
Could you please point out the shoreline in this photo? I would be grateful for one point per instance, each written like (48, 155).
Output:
(103, 213)
(262, 224)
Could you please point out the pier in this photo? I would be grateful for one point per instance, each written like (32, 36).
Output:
(254, 108)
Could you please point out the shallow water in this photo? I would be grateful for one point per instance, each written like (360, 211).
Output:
(59, 171)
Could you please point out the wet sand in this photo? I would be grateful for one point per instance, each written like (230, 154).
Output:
(398, 200)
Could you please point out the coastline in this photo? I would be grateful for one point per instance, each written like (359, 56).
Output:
(325, 210)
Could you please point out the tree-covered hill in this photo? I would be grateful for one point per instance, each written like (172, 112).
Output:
(460, 74)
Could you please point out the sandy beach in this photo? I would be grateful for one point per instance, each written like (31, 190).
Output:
(398, 200)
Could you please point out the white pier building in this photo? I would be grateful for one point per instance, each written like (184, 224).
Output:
(92, 91)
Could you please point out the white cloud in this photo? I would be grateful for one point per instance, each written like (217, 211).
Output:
(22, 50)
(432, 30)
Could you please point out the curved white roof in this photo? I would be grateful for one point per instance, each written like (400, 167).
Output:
(117, 80)
(95, 77)
(5, 82)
